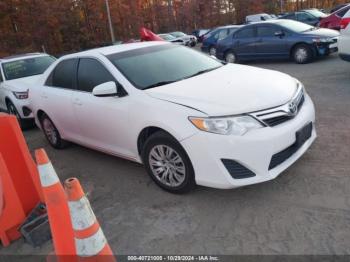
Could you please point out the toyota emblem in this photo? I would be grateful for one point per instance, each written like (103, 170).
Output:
(293, 109)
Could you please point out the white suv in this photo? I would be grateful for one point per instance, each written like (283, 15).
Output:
(17, 73)
(344, 39)
(187, 117)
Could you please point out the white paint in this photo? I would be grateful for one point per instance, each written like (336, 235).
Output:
(48, 175)
(91, 246)
(82, 215)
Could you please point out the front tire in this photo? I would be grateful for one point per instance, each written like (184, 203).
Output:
(51, 133)
(230, 57)
(302, 54)
(168, 164)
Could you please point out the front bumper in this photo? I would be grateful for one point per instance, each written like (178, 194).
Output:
(254, 151)
(23, 108)
(323, 49)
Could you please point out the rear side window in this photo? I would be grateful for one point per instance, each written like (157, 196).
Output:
(64, 75)
(1, 80)
(266, 31)
(92, 73)
(245, 33)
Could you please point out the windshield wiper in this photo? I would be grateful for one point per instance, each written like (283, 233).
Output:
(202, 72)
(162, 83)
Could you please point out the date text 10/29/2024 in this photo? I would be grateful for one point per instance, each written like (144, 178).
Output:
(173, 258)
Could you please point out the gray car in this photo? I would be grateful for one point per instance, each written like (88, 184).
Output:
(190, 40)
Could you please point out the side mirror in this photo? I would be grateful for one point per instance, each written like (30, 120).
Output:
(105, 89)
(279, 34)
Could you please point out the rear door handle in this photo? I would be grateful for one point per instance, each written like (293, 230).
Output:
(44, 95)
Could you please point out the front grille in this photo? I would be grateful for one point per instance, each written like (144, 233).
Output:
(279, 115)
(282, 156)
(236, 170)
(275, 121)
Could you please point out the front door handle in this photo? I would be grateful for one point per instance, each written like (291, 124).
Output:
(44, 95)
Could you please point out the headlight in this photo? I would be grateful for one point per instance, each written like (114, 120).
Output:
(226, 125)
(322, 40)
(21, 95)
(300, 85)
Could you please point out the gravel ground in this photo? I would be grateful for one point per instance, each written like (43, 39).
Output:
(305, 211)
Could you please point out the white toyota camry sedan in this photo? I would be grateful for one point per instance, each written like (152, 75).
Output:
(190, 119)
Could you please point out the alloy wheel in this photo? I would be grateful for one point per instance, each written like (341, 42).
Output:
(301, 55)
(230, 58)
(167, 165)
(212, 51)
(50, 131)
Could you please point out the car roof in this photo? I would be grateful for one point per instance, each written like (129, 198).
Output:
(21, 56)
(272, 21)
(228, 26)
(108, 50)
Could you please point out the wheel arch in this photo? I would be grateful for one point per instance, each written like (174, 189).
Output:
(8, 100)
(40, 113)
(301, 43)
(146, 133)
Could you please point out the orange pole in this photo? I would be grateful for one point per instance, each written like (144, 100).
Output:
(90, 241)
(57, 209)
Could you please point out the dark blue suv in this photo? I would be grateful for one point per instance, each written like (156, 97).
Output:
(278, 39)
(210, 39)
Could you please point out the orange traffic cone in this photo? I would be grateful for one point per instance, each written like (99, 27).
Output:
(90, 242)
(57, 209)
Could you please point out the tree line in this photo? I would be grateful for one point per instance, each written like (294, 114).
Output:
(62, 26)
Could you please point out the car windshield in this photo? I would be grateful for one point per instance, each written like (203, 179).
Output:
(178, 34)
(26, 67)
(162, 64)
(265, 17)
(167, 37)
(295, 26)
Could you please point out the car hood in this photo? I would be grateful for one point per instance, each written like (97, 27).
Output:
(323, 32)
(22, 84)
(230, 90)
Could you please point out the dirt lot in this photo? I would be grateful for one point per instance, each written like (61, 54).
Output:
(305, 211)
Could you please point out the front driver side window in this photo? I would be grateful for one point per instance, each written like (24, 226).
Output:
(245, 33)
(92, 73)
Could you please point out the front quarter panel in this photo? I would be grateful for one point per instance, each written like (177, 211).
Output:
(146, 111)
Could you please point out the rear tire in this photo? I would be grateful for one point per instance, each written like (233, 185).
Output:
(168, 164)
(302, 54)
(212, 51)
(51, 133)
(230, 57)
(25, 124)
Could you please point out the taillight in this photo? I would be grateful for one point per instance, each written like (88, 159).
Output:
(344, 23)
